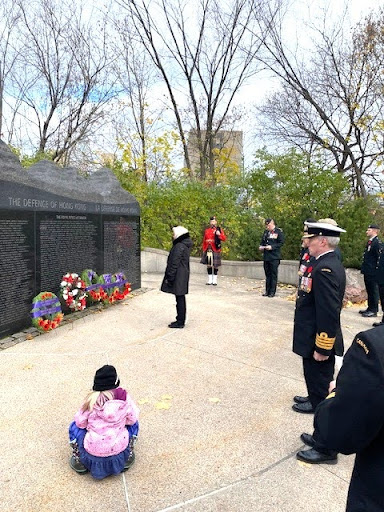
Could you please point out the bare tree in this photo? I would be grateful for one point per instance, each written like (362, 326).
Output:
(9, 53)
(332, 101)
(198, 50)
(140, 112)
(66, 60)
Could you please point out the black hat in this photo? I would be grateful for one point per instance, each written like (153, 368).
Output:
(213, 217)
(329, 228)
(374, 226)
(106, 378)
(267, 221)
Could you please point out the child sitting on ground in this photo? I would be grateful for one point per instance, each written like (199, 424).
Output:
(105, 428)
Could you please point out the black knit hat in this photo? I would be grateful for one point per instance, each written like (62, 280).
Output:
(106, 378)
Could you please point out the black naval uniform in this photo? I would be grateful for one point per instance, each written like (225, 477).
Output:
(317, 322)
(380, 276)
(368, 269)
(351, 420)
(272, 258)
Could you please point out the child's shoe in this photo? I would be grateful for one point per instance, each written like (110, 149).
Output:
(132, 442)
(129, 462)
(77, 466)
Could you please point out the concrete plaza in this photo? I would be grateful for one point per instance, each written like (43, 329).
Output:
(217, 430)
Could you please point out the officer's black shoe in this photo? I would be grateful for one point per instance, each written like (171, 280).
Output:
(271, 295)
(300, 399)
(363, 311)
(305, 408)
(368, 314)
(377, 324)
(307, 439)
(312, 456)
(265, 294)
(176, 325)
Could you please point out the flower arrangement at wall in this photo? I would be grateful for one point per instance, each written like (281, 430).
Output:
(93, 290)
(107, 285)
(46, 311)
(113, 287)
(72, 291)
(123, 287)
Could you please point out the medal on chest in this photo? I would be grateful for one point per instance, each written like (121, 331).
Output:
(306, 281)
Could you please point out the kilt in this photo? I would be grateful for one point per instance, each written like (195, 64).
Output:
(207, 261)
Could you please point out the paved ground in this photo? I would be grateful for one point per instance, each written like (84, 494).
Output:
(217, 429)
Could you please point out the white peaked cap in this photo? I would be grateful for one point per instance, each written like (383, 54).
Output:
(321, 228)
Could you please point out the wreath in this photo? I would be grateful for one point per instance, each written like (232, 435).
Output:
(123, 286)
(91, 279)
(107, 287)
(113, 287)
(72, 291)
(46, 311)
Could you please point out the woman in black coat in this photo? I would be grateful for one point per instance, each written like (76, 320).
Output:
(176, 277)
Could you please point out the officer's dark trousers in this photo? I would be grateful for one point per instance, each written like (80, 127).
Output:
(381, 293)
(318, 375)
(181, 309)
(372, 292)
(270, 269)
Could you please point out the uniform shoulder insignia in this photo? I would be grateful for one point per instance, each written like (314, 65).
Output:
(326, 270)
(362, 344)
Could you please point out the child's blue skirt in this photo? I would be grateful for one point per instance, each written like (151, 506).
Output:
(101, 467)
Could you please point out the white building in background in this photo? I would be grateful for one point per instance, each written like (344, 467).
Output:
(231, 141)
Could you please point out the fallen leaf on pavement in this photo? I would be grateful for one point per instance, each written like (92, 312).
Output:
(162, 405)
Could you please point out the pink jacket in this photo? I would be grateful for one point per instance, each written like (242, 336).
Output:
(106, 432)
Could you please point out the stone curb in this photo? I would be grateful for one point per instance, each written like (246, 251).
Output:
(31, 332)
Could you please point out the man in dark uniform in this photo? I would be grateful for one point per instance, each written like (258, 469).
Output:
(317, 336)
(351, 420)
(380, 281)
(368, 269)
(271, 242)
(305, 258)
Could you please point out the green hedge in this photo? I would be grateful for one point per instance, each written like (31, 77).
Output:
(282, 187)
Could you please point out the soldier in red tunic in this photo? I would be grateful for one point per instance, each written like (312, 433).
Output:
(213, 236)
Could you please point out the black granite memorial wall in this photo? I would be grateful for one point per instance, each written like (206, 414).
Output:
(53, 221)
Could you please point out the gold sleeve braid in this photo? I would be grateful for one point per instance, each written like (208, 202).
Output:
(324, 341)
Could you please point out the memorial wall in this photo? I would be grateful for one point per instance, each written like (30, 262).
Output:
(54, 221)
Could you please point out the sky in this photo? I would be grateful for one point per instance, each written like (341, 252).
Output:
(301, 13)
